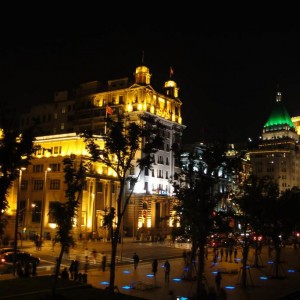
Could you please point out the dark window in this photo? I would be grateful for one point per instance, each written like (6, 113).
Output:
(36, 211)
(55, 167)
(24, 185)
(146, 188)
(55, 184)
(38, 168)
(38, 185)
(51, 213)
(99, 187)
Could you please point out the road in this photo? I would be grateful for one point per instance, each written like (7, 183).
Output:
(147, 251)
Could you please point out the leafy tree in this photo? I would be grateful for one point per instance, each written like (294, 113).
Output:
(280, 217)
(198, 197)
(249, 199)
(16, 149)
(264, 211)
(65, 212)
(122, 141)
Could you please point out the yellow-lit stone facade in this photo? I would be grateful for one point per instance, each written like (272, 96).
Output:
(42, 183)
(85, 109)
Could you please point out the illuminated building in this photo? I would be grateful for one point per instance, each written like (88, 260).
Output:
(277, 155)
(84, 109)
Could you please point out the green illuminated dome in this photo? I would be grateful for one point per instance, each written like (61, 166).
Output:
(279, 117)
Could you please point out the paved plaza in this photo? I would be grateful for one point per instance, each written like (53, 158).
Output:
(261, 284)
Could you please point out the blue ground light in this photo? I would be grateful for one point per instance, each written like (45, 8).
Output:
(150, 275)
(104, 282)
(126, 287)
(126, 272)
(229, 287)
(176, 279)
(291, 271)
(182, 298)
(263, 277)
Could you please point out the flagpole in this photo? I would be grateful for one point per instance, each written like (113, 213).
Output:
(105, 120)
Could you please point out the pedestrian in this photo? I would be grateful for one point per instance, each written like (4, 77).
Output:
(94, 254)
(218, 280)
(136, 260)
(103, 262)
(222, 254)
(154, 266)
(230, 253)
(270, 250)
(72, 269)
(167, 267)
(226, 254)
(65, 273)
(235, 255)
(206, 251)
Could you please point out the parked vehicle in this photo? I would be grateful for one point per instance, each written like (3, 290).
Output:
(5, 250)
(21, 256)
(183, 239)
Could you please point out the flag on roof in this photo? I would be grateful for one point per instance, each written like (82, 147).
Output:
(171, 72)
(109, 110)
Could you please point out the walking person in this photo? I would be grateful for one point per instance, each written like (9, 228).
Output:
(235, 255)
(206, 251)
(72, 269)
(226, 254)
(167, 267)
(218, 280)
(86, 264)
(94, 254)
(222, 254)
(136, 260)
(154, 267)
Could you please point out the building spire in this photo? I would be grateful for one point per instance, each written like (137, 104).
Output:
(278, 95)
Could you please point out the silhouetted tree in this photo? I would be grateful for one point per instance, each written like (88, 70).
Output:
(196, 189)
(64, 213)
(123, 140)
(16, 150)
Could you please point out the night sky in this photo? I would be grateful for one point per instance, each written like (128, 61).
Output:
(228, 80)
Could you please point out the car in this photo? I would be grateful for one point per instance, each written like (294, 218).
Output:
(21, 256)
(183, 239)
(5, 250)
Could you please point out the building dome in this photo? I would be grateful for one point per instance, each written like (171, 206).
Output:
(279, 118)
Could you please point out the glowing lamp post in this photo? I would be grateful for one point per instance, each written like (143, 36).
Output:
(43, 204)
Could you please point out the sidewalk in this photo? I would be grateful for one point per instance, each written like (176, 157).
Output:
(260, 282)
(260, 285)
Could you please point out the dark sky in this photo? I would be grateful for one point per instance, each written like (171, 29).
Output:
(227, 80)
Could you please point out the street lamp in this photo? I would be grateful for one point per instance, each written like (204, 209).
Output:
(43, 204)
(17, 219)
